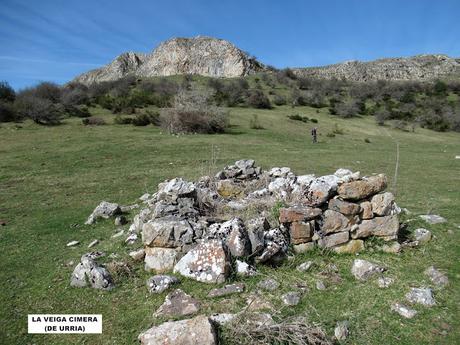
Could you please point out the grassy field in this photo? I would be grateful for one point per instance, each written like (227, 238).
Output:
(52, 178)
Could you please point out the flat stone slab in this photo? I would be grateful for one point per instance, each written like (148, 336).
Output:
(433, 218)
(227, 290)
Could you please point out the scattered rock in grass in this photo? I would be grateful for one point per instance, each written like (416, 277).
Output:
(93, 243)
(137, 255)
(305, 266)
(256, 302)
(341, 330)
(422, 235)
(2, 222)
(291, 298)
(268, 284)
(437, 277)
(103, 210)
(403, 310)
(160, 283)
(89, 272)
(120, 220)
(433, 218)
(198, 330)
(144, 197)
(73, 243)
(422, 296)
(227, 290)
(384, 282)
(118, 233)
(131, 239)
(178, 303)
(320, 285)
(208, 262)
(128, 208)
(244, 269)
(363, 270)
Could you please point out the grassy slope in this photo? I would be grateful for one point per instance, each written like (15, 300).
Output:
(51, 178)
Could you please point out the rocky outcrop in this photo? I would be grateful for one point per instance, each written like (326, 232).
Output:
(420, 67)
(198, 55)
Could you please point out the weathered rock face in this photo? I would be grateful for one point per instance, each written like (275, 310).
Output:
(420, 67)
(159, 259)
(160, 283)
(178, 303)
(357, 190)
(103, 210)
(199, 55)
(89, 272)
(208, 262)
(198, 330)
(385, 227)
(363, 270)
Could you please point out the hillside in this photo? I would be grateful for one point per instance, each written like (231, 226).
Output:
(199, 56)
(419, 68)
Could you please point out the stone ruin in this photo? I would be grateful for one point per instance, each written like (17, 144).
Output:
(245, 215)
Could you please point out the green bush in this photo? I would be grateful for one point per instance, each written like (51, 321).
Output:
(257, 99)
(93, 121)
(297, 117)
(254, 122)
(122, 120)
(314, 120)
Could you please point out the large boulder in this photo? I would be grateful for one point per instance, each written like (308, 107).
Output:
(198, 330)
(386, 227)
(167, 232)
(103, 210)
(361, 189)
(208, 262)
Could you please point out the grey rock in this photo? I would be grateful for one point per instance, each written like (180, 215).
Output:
(208, 262)
(361, 189)
(198, 330)
(422, 296)
(291, 298)
(222, 318)
(100, 278)
(303, 247)
(403, 310)
(433, 218)
(268, 284)
(334, 239)
(118, 233)
(422, 235)
(178, 303)
(160, 283)
(234, 235)
(103, 210)
(256, 228)
(344, 207)
(341, 331)
(320, 285)
(168, 232)
(128, 208)
(305, 266)
(89, 272)
(436, 276)
(336, 222)
(276, 247)
(386, 227)
(72, 244)
(321, 189)
(382, 204)
(176, 188)
(227, 290)
(93, 243)
(363, 270)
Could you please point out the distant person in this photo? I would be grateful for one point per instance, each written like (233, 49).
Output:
(314, 135)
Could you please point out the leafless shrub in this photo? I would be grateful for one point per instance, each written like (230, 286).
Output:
(295, 331)
(93, 121)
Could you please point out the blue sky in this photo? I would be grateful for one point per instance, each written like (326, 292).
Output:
(57, 39)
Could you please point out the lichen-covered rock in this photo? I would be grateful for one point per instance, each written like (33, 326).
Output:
(433, 218)
(103, 210)
(256, 228)
(234, 235)
(160, 260)
(422, 235)
(386, 227)
(361, 189)
(178, 303)
(100, 278)
(276, 247)
(229, 189)
(291, 298)
(341, 331)
(176, 188)
(363, 269)
(268, 284)
(336, 222)
(321, 189)
(383, 204)
(422, 296)
(198, 330)
(89, 272)
(137, 255)
(403, 310)
(244, 269)
(208, 262)
(160, 283)
(298, 214)
(344, 207)
(168, 232)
